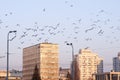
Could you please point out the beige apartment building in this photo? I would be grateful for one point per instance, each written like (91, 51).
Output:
(41, 62)
(87, 63)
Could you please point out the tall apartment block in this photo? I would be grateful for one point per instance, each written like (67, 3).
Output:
(116, 63)
(40, 62)
(87, 63)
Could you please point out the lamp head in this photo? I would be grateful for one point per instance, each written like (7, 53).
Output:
(15, 31)
(12, 31)
(69, 44)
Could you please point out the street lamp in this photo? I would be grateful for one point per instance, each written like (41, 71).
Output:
(8, 50)
(72, 59)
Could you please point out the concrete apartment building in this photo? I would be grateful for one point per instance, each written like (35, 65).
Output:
(116, 63)
(41, 62)
(87, 63)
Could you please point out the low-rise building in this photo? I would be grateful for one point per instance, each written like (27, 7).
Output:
(16, 73)
(3, 73)
(64, 74)
(3, 76)
(107, 76)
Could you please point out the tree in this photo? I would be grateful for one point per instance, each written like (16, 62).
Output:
(68, 76)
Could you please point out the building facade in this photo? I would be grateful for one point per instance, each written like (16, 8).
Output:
(41, 62)
(116, 63)
(87, 63)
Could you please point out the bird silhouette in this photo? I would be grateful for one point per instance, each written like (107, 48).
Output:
(71, 5)
(1, 22)
(100, 32)
(6, 14)
(44, 10)
(89, 29)
(18, 25)
(11, 13)
(19, 48)
(22, 42)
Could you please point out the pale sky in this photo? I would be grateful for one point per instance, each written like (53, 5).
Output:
(85, 23)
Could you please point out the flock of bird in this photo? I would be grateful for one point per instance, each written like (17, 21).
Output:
(44, 33)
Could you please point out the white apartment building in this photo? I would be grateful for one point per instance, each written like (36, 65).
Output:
(116, 63)
(87, 63)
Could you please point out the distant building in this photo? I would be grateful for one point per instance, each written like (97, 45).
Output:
(107, 76)
(116, 63)
(87, 63)
(40, 62)
(64, 74)
(3, 76)
(4, 73)
(16, 73)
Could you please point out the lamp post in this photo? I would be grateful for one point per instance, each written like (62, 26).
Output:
(8, 50)
(72, 59)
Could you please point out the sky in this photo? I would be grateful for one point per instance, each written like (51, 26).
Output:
(85, 23)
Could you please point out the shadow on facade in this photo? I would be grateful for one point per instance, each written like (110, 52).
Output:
(36, 75)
